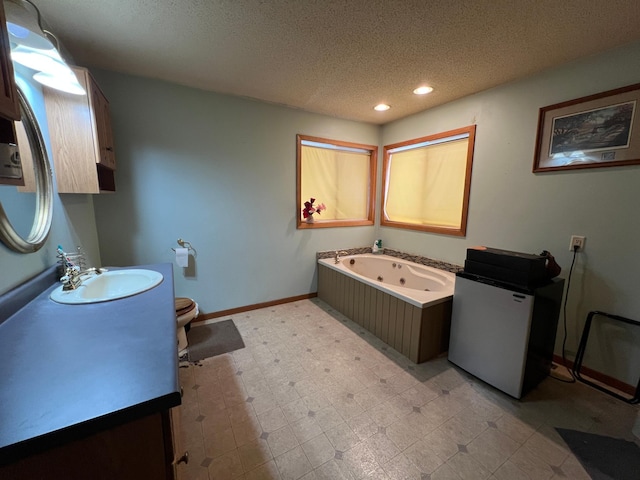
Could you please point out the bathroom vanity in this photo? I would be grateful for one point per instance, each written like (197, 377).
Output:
(87, 391)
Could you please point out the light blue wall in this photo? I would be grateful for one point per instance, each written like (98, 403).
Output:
(219, 172)
(513, 209)
(73, 216)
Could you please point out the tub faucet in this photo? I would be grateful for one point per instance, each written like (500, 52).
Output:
(336, 257)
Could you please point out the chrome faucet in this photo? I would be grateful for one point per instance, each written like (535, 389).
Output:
(96, 270)
(337, 254)
(72, 278)
(72, 267)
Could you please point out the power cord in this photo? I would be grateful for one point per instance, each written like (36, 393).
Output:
(564, 314)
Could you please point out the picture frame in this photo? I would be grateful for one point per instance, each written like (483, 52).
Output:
(595, 131)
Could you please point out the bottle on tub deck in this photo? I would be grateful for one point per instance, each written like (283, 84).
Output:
(377, 246)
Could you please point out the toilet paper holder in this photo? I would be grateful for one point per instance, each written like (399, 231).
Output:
(185, 244)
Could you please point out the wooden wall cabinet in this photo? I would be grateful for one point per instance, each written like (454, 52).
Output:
(106, 154)
(26, 157)
(81, 138)
(9, 107)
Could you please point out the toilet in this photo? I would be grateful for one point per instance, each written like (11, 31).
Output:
(186, 310)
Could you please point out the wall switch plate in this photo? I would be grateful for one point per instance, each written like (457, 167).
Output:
(577, 241)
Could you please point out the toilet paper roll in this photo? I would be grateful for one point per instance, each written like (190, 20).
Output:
(182, 257)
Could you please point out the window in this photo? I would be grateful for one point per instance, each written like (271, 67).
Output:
(427, 182)
(341, 176)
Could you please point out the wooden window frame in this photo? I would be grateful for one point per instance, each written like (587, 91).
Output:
(460, 231)
(371, 201)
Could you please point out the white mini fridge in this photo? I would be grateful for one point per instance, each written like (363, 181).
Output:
(504, 334)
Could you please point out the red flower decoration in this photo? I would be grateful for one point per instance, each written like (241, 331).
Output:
(309, 208)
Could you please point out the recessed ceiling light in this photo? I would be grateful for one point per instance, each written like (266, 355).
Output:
(381, 107)
(423, 90)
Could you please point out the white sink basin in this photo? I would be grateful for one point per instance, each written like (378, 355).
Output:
(107, 286)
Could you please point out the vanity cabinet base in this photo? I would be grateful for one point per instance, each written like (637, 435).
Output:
(138, 449)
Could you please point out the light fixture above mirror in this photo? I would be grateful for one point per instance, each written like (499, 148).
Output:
(32, 46)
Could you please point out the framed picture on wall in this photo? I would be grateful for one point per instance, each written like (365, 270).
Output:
(596, 131)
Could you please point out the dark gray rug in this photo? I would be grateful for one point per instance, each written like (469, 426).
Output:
(604, 458)
(213, 339)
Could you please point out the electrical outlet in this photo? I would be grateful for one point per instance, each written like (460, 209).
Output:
(577, 241)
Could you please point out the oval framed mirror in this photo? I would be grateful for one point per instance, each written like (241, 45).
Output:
(30, 139)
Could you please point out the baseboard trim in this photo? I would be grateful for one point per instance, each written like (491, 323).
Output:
(233, 311)
(600, 377)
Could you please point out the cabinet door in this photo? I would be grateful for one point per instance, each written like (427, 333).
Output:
(72, 136)
(180, 455)
(132, 451)
(106, 155)
(9, 107)
(81, 139)
(26, 157)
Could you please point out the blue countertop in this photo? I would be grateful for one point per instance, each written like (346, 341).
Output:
(68, 371)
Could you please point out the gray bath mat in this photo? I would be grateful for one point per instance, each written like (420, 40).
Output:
(604, 458)
(213, 339)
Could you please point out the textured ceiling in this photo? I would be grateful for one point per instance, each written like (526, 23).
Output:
(339, 58)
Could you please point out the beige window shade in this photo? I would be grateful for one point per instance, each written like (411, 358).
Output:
(426, 185)
(339, 179)
(427, 182)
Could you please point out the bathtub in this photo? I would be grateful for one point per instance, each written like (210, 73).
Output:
(404, 304)
(410, 282)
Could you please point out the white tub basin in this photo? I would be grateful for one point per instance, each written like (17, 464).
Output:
(107, 286)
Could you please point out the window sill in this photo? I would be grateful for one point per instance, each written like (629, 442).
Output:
(303, 225)
(454, 231)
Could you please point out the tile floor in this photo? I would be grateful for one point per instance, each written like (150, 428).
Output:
(314, 396)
